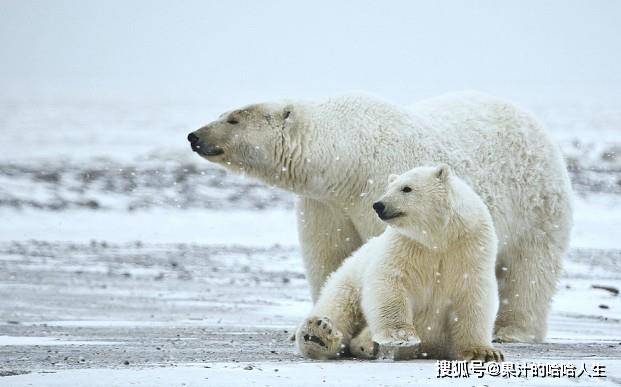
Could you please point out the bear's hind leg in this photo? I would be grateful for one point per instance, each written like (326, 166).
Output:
(527, 276)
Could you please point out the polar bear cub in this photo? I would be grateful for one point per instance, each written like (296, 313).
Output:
(430, 277)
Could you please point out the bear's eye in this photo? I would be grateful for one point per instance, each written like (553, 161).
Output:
(406, 189)
(232, 121)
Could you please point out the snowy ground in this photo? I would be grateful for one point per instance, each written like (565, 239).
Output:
(125, 259)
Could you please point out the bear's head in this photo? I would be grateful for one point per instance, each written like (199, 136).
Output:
(417, 203)
(256, 140)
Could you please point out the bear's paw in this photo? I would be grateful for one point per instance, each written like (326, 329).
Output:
(318, 338)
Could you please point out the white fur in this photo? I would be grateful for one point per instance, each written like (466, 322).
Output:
(337, 154)
(429, 275)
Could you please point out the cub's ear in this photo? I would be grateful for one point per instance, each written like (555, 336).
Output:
(392, 177)
(443, 172)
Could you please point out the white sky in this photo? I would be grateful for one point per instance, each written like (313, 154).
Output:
(231, 50)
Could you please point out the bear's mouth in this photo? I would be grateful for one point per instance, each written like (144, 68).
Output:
(392, 215)
(206, 150)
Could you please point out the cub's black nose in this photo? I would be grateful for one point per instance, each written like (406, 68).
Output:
(379, 208)
(192, 138)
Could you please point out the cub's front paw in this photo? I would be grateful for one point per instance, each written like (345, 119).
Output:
(318, 338)
(486, 354)
(397, 344)
(404, 335)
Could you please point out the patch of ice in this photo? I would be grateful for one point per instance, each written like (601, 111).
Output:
(249, 228)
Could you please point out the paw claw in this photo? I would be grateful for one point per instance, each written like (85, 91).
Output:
(485, 354)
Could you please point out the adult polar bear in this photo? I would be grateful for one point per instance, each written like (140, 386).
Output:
(337, 154)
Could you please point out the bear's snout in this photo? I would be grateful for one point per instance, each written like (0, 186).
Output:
(192, 138)
(385, 213)
(201, 147)
(379, 208)
(195, 142)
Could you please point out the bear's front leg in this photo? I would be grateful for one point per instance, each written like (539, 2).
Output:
(471, 320)
(326, 237)
(388, 311)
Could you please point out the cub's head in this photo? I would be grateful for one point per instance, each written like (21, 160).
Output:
(255, 139)
(417, 202)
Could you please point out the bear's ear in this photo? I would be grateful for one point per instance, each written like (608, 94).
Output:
(443, 172)
(392, 177)
(288, 115)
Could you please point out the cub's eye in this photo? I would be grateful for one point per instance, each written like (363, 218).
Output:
(406, 189)
(232, 121)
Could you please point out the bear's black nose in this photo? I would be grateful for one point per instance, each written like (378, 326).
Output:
(192, 138)
(379, 208)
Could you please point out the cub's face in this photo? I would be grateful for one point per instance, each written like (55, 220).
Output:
(416, 201)
(249, 139)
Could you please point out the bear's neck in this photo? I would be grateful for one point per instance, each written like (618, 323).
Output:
(456, 232)
(427, 240)
(321, 166)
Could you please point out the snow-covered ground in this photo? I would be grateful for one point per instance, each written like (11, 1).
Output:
(126, 259)
(288, 374)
